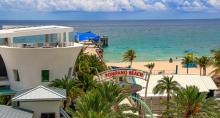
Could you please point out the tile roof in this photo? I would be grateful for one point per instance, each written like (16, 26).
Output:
(40, 93)
(204, 83)
(11, 112)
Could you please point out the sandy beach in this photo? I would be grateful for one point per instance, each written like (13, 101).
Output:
(161, 66)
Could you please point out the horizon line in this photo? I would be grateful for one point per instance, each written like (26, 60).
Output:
(109, 19)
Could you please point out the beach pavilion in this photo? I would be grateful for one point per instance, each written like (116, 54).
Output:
(204, 83)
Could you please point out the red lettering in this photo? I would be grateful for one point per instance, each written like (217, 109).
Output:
(111, 74)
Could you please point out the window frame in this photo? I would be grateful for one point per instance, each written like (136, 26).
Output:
(45, 75)
(49, 113)
(70, 72)
(16, 75)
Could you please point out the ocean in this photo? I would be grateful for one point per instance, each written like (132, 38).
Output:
(151, 39)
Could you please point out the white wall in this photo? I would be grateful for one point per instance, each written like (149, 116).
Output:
(30, 62)
(39, 107)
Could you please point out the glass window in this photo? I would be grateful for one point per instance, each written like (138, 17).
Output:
(70, 72)
(45, 75)
(16, 75)
(48, 115)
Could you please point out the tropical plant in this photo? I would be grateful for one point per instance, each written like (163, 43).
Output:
(114, 94)
(216, 62)
(65, 83)
(89, 64)
(86, 81)
(2, 100)
(70, 85)
(86, 67)
(150, 66)
(103, 102)
(203, 63)
(111, 92)
(129, 56)
(166, 85)
(186, 61)
(5, 100)
(91, 105)
(189, 102)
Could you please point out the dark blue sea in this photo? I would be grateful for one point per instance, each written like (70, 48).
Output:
(152, 39)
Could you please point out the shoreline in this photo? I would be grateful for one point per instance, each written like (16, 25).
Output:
(158, 60)
(161, 66)
(169, 68)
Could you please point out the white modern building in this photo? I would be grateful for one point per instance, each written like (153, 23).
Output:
(32, 64)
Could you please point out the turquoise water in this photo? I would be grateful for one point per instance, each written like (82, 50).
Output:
(151, 39)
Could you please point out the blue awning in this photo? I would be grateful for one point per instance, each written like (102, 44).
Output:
(82, 36)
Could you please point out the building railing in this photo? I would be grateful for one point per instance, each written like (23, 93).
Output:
(64, 114)
(41, 45)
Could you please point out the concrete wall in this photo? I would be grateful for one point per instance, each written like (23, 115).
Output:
(39, 107)
(30, 61)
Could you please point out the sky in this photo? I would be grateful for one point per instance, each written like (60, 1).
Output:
(108, 9)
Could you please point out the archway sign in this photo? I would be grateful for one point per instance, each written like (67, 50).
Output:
(128, 72)
(122, 72)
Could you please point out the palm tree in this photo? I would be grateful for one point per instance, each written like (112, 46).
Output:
(89, 64)
(150, 66)
(186, 61)
(203, 62)
(71, 87)
(114, 94)
(86, 81)
(111, 92)
(5, 100)
(191, 103)
(166, 85)
(103, 102)
(216, 62)
(129, 56)
(200, 63)
(92, 106)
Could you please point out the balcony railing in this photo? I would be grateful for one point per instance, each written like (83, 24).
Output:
(41, 45)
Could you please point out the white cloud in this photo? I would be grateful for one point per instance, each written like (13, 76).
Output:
(196, 5)
(214, 3)
(81, 5)
(110, 5)
(159, 6)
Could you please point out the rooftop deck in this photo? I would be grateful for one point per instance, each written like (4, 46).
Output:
(29, 31)
(62, 38)
(41, 45)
